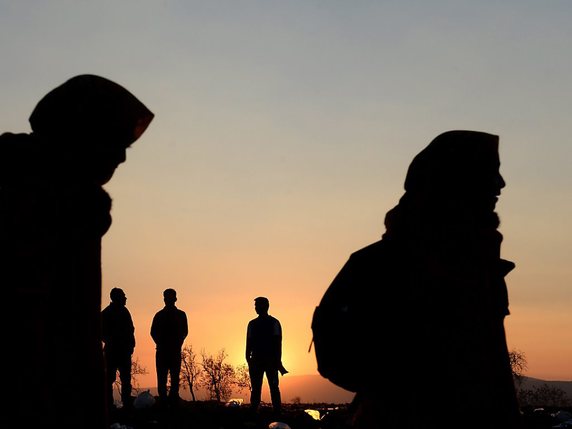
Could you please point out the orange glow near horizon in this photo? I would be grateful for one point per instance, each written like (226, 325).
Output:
(211, 330)
(544, 337)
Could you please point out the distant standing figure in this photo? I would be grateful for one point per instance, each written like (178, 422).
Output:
(118, 334)
(53, 215)
(169, 330)
(264, 354)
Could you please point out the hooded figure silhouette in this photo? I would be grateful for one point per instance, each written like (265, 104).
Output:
(439, 321)
(54, 213)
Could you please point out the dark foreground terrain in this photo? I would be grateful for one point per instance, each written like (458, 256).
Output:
(212, 415)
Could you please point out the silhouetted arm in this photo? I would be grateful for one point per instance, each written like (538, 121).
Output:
(248, 353)
(132, 332)
(155, 331)
(185, 327)
(277, 341)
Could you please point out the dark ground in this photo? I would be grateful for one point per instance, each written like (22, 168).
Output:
(212, 415)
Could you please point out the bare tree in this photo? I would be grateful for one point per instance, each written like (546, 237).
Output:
(242, 378)
(219, 377)
(136, 369)
(296, 400)
(191, 370)
(518, 365)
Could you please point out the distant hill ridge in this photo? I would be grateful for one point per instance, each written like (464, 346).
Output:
(530, 383)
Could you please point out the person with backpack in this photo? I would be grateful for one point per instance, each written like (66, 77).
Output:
(264, 354)
(414, 323)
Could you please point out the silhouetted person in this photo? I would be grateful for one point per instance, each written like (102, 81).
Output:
(169, 330)
(54, 213)
(432, 297)
(118, 335)
(264, 354)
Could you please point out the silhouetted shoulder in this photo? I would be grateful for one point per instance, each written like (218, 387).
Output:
(377, 254)
(370, 250)
(18, 156)
(7, 138)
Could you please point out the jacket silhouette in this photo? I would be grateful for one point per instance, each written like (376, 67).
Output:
(264, 354)
(169, 330)
(118, 335)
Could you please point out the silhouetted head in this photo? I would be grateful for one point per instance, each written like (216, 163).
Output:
(453, 180)
(261, 305)
(118, 296)
(458, 165)
(89, 121)
(170, 296)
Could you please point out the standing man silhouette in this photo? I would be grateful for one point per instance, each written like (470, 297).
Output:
(118, 335)
(169, 330)
(264, 354)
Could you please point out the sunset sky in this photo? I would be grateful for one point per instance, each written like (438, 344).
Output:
(282, 135)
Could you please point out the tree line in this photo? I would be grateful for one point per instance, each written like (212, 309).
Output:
(203, 371)
(542, 395)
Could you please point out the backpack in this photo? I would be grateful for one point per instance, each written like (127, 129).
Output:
(342, 334)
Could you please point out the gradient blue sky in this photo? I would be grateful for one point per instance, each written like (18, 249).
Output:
(282, 135)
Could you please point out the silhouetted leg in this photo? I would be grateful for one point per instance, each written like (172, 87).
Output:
(175, 370)
(256, 375)
(125, 377)
(273, 384)
(110, 374)
(162, 370)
